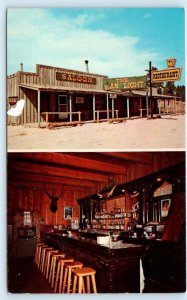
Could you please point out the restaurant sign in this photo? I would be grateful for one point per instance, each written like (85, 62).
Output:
(75, 78)
(166, 75)
(136, 82)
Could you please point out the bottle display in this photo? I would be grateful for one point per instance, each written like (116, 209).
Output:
(111, 220)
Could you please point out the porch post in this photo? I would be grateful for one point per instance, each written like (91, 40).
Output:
(112, 107)
(107, 106)
(159, 110)
(94, 107)
(128, 111)
(70, 108)
(147, 104)
(38, 108)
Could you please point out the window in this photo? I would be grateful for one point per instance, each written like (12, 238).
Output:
(27, 218)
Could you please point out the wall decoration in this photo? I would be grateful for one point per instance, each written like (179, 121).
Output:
(165, 204)
(68, 212)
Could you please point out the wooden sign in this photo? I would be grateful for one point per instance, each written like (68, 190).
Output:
(12, 100)
(166, 75)
(75, 78)
(79, 100)
(136, 82)
(165, 189)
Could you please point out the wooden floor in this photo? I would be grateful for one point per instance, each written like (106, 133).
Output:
(23, 276)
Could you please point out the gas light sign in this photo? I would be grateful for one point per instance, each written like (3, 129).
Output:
(136, 82)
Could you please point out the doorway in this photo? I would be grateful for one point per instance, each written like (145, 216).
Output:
(63, 107)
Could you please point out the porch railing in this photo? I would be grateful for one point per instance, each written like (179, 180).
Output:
(97, 112)
(62, 113)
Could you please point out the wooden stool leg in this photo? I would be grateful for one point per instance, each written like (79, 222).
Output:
(80, 285)
(57, 277)
(49, 266)
(83, 287)
(69, 281)
(45, 264)
(65, 279)
(94, 284)
(61, 277)
(88, 284)
(53, 272)
(42, 259)
(74, 283)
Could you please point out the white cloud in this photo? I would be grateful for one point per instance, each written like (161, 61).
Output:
(37, 37)
(147, 16)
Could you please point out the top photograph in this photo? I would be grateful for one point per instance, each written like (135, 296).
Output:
(95, 79)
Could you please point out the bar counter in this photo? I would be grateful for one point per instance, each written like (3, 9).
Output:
(117, 264)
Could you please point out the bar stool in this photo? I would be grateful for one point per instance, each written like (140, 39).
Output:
(60, 272)
(82, 273)
(37, 252)
(43, 257)
(53, 267)
(67, 274)
(40, 252)
(48, 262)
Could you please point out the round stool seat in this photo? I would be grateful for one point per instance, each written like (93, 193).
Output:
(80, 274)
(85, 271)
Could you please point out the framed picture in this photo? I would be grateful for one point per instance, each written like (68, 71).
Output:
(165, 204)
(68, 212)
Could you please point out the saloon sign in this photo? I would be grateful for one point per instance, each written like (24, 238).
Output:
(75, 78)
(136, 82)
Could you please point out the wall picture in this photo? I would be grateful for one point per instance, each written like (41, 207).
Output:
(165, 204)
(68, 212)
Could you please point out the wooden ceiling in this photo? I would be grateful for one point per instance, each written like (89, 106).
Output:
(81, 169)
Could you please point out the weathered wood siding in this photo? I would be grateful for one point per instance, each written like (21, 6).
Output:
(47, 76)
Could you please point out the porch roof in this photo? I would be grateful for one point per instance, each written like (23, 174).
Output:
(38, 87)
(143, 93)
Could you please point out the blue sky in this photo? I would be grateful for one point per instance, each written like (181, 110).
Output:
(118, 42)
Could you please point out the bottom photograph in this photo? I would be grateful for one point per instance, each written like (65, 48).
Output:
(96, 222)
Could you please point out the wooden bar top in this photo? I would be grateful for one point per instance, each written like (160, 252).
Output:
(117, 264)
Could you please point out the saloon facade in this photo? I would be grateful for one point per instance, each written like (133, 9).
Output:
(56, 94)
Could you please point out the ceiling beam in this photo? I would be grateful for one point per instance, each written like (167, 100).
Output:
(66, 159)
(138, 157)
(35, 184)
(56, 171)
(23, 177)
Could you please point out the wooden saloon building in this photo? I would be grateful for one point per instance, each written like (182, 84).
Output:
(58, 95)
(118, 218)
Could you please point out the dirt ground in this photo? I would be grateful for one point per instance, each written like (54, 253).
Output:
(166, 133)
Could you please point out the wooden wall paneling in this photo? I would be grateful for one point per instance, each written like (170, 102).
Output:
(10, 203)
